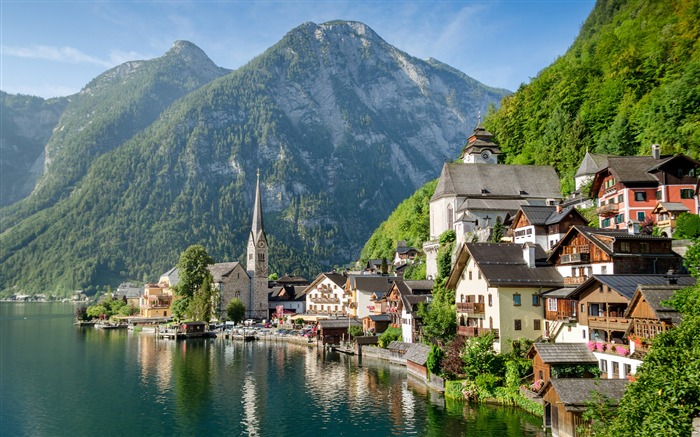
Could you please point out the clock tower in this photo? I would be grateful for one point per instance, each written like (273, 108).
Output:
(257, 261)
(480, 148)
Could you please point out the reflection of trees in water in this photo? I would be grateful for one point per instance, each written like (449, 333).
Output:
(192, 384)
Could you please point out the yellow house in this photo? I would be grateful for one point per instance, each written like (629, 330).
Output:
(498, 289)
(156, 300)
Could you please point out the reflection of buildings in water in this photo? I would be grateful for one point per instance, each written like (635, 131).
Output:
(155, 361)
(249, 401)
(408, 401)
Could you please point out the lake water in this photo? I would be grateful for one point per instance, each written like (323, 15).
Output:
(61, 380)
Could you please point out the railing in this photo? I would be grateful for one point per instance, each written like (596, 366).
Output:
(474, 331)
(575, 280)
(607, 210)
(569, 258)
(613, 323)
(668, 223)
(330, 300)
(470, 307)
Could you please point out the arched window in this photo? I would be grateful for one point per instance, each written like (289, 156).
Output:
(450, 217)
(237, 294)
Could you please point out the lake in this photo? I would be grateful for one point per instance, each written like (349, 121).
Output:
(60, 380)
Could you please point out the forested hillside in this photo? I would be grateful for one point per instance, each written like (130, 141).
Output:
(631, 78)
(341, 125)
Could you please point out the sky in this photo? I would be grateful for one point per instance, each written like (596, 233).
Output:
(54, 48)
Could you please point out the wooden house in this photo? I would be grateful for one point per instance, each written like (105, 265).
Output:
(543, 225)
(376, 323)
(585, 251)
(416, 360)
(666, 214)
(548, 356)
(402, 305)
(335, 331)
(565, 401)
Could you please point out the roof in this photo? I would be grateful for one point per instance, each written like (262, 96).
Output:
(286, 279)
(420, 287)
(576, 392)
(502, 264)
(627, 169)
(468, 180)
(418, 353)
(490, 204)
(380, 317)
(410, 301)
(399, 346)
(591, 164)
(626, 285)
(404, 249)
(337, 323)
(655, 295)
(561, 353)
(371, 283)
(220, 271)
(287, 293)
(670, 207)
(547, 215)
(559, 293)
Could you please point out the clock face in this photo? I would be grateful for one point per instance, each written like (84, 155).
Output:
(261, 244)
(485, 154)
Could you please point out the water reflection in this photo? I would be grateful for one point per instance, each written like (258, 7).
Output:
(250, 421)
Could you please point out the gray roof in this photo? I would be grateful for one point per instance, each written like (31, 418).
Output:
(498, 180)
(560, 353)
(627, 169)
(591, 164)
(490, 204)
(337, 323)
(502, 264)
(399, 346)
(380, 317)
(546, 215)
(371, 283)
(655, 295)
(673, 206)
(559, 293)
(418, 353)
(336, 278)
(220, 271)
(420, 287)
(404, 249)
(576, 392)
(626, 285)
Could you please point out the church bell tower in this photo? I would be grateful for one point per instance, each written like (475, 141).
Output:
(257, 261)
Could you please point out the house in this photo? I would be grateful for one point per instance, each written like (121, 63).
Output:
(402, 305)
(498, 289)
(156, 300)
(630, 187)
(548, 358)
(362, 288)
(335, 331)
(416, 360)
(566, 399)
(472, 196)
(543, 225)
(590, 165)
(666, 214)
(585, 251)
(376, 323)
(404, 255)
(327, 295)
(648, 314)
(290, 298)
(130, 291)
(560, 321)
(231, 280)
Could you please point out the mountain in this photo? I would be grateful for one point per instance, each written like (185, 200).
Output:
(629, 80)
(27, 124)
(341, 125)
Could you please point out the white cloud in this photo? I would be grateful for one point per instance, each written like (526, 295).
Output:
(59, 54)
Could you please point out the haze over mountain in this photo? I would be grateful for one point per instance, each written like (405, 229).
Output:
(153, 156)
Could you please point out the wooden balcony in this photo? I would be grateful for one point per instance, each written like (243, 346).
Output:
(326, 300)
(474, 331)
(668, 223)
(607, 210)
(471, 308)
(575, 280)
(571, 258)
(609, 323)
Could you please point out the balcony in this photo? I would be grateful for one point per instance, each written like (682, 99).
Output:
(330, 300)
(474, 331)
(471, 308)
(609, 323)
(607, 210)
(575, 280)
(570, 258)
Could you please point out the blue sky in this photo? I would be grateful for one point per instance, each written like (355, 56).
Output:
(54, 48)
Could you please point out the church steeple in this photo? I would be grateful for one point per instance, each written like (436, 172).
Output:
(257, 229)
(257, 260)
(480, 147)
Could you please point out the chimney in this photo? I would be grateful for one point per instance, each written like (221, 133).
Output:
(633, 227)
(656, 151)
(559, 209)
(671, 278)
(529, 254)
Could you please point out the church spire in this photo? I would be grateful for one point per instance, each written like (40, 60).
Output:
(257, 226)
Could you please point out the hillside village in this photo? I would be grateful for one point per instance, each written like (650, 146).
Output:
(581, 295)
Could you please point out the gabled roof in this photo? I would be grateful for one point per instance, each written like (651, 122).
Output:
(562, 353)
(503, 265)
(371, 283)
(404, 249)
(418, 353)
(626, 285)
(468, 180)
(335, 278)
(661, 163)
(546, 215)
(655, 295)
(399, 346)
(287, 293)
(337, 323)
(220, 271)
(670, 207)
(628, 169)
(591, 164)
(380, 317)
(576, 392)
(420, 287)
(411, 301)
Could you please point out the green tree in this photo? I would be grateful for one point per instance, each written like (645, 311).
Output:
(391, 334)
(434, 362)
(498, 229)
(439, 318)
(235, 310)
(201, 303)
(479, 357)
(273, 276)
(193, 270)
(356, 331)
(687, 226)
(180, 308)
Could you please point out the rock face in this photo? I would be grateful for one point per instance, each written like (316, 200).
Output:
(162, 154)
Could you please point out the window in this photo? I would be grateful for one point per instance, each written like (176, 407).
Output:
(470, 275)
(644, 247)
(615, 369)
(516, 299)
(604, 270)
(606, 222)
(625, 246)
(518, 324)
(537, 324)
(621, 198)
(583, 334)
(658, 195)
(551, 304)
(535, 300)
(478, 274)
(640, 196)
(604, 366)
(641, 216)
(620, 218)
(261, 257)
(490, 300)
(687, 193)
(626, 369)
